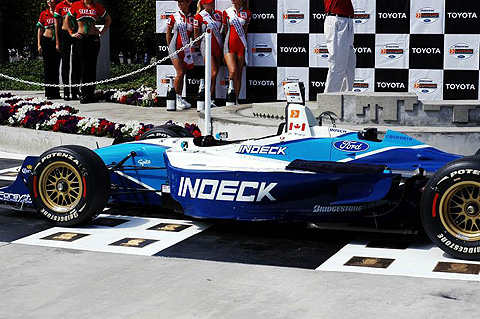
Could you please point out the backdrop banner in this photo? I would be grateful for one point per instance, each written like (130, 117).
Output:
(429, 47)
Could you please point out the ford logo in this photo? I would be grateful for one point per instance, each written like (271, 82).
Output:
(427, 20)
(461, 56)
(356, 90)
(392, 56)
(358, 21)
(261, 55)
(351, 146)
(293, 21)
(424, 91)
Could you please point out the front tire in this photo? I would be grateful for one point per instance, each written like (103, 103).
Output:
(69, 185)
(451, 208)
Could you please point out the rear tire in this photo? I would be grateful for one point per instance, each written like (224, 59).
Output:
(69, 185)
(165, 131)
(450, 208)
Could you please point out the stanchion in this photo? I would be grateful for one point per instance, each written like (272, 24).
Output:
(208, 81)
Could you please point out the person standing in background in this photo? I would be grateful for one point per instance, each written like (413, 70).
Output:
(235, 23)
(338, 29)
(64, 46)
(181, 24)
(208, 17)
(46, 47)
(86, 13)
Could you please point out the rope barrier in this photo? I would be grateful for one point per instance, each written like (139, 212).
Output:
(107, 80)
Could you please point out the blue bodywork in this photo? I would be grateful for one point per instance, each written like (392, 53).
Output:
(265, 195)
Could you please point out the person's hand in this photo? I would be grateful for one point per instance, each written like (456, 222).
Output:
(40, 49)
(77, 35)
(57, 46)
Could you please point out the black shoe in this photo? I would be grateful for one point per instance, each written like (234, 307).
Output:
(85, 100)
(75, 97)
(66, 98)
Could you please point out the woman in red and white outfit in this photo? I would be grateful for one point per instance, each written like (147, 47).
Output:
(46, 47)
(65, 43)
(235, 23)
(87, 38)
(181, 24)
(208, 17)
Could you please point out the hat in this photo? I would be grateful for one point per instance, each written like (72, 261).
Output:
(206, 1)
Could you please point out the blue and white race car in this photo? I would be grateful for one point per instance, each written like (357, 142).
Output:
(305, 172)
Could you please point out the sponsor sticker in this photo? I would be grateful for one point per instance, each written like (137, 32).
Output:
(16, 198)
(167, 79)
(144, 162)
(392, 51)
(461, 51)
(290, 79)
(337, 209)
(262, 149)
(360, 85)
(226, 190)
(361, 16)
(293, 16)
(261, 50)
(321, 51)
(425, 86)
(351, 146)
(427, 15)
(166, 14)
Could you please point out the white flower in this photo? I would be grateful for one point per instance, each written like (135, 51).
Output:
(61, 113)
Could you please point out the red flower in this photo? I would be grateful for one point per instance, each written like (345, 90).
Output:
(196, 133)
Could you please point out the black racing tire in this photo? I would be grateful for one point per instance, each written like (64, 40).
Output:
(69, 185)
(450, 208)
(165, 131)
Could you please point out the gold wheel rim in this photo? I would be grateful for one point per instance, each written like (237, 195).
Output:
(60, 187)
(460, 210)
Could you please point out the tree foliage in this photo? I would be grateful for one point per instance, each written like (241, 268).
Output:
(135, 22)
(21, 18)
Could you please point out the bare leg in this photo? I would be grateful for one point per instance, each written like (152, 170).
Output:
(231, 61)
(180, 71)
(215, 66)
(240, 65)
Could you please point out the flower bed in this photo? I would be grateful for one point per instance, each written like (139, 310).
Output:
(40, 114)
(144, 96)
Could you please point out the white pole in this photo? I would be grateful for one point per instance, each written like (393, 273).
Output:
(208, 81)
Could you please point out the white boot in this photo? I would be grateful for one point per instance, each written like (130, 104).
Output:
(185, 103)
(180, 105)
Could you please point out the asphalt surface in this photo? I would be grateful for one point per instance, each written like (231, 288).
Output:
(228, 269)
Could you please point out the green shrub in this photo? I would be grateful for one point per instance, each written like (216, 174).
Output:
(30, 70)
(33, 71)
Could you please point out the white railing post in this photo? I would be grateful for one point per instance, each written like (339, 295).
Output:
(208, 81)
